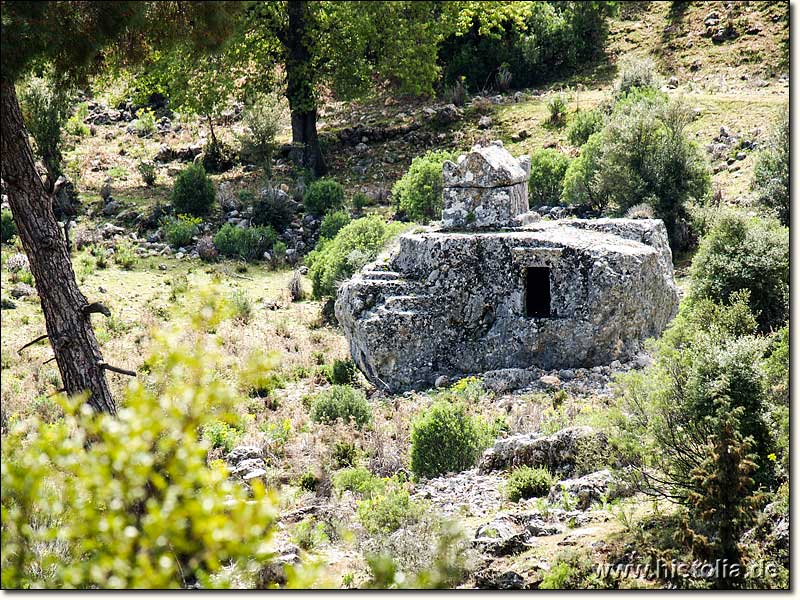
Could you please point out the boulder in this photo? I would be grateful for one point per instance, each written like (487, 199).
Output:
(589, 489)
(561, 452)
(509, 534)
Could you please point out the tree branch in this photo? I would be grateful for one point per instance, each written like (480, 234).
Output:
(108, 367)
(96, 307)
(32, 342)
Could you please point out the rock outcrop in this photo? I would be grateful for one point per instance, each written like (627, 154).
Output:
(489, 289)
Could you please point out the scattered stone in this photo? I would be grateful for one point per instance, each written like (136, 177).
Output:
(18, 262)
(484, 122)
(672, 83)
(22, 290)
(7, 304)
(491, 579)
(442, 382)
(467, 493)
(551, 381)
(590, 489)
(509, 534)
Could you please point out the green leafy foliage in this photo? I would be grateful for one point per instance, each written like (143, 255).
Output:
(360, 481)
(533, 41)
(125, 255)
(636, 74)
(557, 110)
(273, 209)
(193, 192)
(342, 372)
(642, 155)
(743, 253)
(44, 109)
(332, 223)
(771, 173)
(144, 125)
(323, 196)
(247, 244)
(220, 434)
(548, 168)
(354, 246)
(75, 125)
(446, 439)
(129, 501)
(8, 228)
(180, 230)
(342, 402)
(710, 350)
(263, 118)
(528, 482)
(583, 125)
(388, 511)
(418, 194)
(147, 170)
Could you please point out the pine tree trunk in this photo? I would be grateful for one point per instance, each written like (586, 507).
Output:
(300, 89)
(69, 327)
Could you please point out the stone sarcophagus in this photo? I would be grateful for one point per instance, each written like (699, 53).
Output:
(499, 289)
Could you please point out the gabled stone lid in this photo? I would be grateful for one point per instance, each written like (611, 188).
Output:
(486, 167)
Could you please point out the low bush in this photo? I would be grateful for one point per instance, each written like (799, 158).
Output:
(125, 255)
(342, 402)
(344, 454)
(743, 253)
(636, 73)
(583, 125)
(323, 196)
(557, 110)
(273, 209)
(354, 246)
(771, 173)
(220, 434)
(157, 515)
(247, 244)
(389, 511)
(75, 125)
(145, 123)
(445, 439)
(528, 482)
(147, 170)
(8, 228)
(342, 372)
(193, 191)
(179, 231)
(332, 223)
(360, 481)
(548, 168)
(417, 195)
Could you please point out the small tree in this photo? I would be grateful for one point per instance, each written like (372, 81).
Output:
(418, 193)
(771, 174)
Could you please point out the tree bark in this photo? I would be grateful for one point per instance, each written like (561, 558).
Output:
(300, 88)
(69, 327)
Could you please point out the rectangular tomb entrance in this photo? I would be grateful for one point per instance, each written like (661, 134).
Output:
(537, 292)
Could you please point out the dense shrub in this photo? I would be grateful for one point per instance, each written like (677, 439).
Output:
(708, 355)
(532, 42)
(262, 118)
(332, 223)
(193, 191)
(355, 245)
(180, 231)
(389, 511)
(273, 208)
(584, 124)
(8, 228)
(220, 434)
(742, 253)
(44, 108)
(247, 244)
(145, 123)
(548, 168)
(129, 500)
(642, 155)
(341, 402)
(636, 73)
(557, 109)
(360, 481)
(771, 174)
(342, 372)
(125, 255)
(75, 125)
(418, 194)
(445, 439)
(323, 196)
(528, 482)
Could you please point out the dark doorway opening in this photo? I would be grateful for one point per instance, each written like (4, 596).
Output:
(537, 292)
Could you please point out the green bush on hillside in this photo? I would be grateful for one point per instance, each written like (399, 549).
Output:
(354, 246)
(323, 196)
(332, 223)
(342, 402)
(193, 191)
(418, 194)
(548, 168)
(771, 173)
(247, 244)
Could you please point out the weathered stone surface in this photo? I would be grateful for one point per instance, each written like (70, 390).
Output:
(509, 533)
(486, 188)
(589, 489)
(454, 304)
(559, 452)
